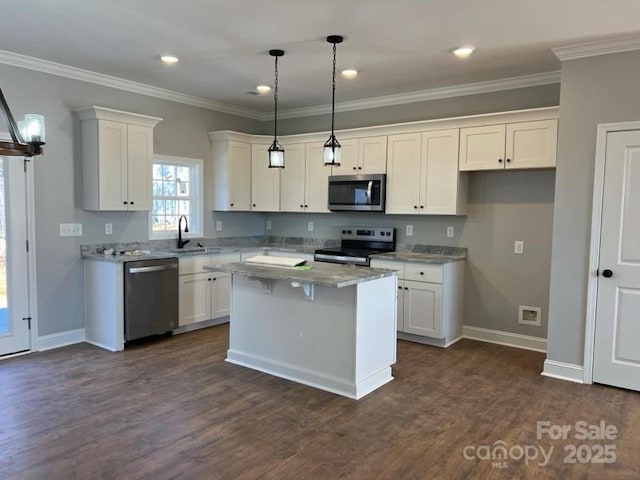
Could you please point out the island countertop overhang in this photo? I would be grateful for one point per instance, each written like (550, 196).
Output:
(320, 273)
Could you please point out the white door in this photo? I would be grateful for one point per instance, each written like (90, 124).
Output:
(195, 298)
(422, 308)
(14, 280)
(617, 337)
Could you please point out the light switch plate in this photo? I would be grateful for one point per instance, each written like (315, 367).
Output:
(218, 225)
(518, 247)
(70, 229)
(409, 230)
(450, 232)
(108, 228)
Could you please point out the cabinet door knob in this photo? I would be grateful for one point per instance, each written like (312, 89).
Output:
(231, 204)
(254, 204)
(214, 279)
(406, 288)
(301, 206)
(124, 203)
(130, 203)
(354, 168)
(415, 206)
(508, 160)
(399, 288)
(359, 168)
(306, 206)
(499, 160)
(208, 279)
(421, 206)
(421, 273)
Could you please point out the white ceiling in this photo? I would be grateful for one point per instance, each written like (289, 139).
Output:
(398, 46)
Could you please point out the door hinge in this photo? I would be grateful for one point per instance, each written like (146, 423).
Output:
(28, 319)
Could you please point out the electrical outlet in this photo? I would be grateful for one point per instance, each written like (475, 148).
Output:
(218, 225)
(529, 315)
(450, 232)
(70, 229)
(310, 226)
(518, 247)
(409, 230)
(268, 224)
(108, 228)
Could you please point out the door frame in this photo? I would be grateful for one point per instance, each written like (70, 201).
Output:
(31, 254)
(596, 229)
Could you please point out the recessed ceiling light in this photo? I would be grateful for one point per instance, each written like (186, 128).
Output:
(350, 73)
(263, 89)
(169, 59)
(464, 51)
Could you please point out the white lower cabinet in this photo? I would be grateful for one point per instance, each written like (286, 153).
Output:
(429, 300)
(203, 295)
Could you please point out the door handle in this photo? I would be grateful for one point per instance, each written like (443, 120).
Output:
(157, 268)
(607, 273)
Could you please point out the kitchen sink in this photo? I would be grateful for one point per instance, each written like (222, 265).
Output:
(195, 249)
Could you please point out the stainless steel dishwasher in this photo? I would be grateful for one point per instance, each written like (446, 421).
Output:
(150, 297)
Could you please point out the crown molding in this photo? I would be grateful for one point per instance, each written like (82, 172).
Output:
(67, 71)
(510, 83)
(623, 43)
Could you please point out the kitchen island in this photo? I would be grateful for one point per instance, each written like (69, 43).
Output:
(329, 326)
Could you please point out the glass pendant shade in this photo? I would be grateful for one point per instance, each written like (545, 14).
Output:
(276, 155)
(33, 129)
(331, 151)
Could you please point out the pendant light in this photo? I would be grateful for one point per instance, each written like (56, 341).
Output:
(276, 152)
(331, 151)
(26, 140)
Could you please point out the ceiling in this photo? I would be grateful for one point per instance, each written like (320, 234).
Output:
(398, 46)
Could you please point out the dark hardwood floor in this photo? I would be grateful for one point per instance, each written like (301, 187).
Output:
(174, 409)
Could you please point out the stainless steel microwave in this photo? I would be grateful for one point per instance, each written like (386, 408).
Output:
(362, 193)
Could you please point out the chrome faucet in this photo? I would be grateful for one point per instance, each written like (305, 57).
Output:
(182, 243)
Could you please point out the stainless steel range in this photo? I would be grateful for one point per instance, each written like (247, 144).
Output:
(357, 244)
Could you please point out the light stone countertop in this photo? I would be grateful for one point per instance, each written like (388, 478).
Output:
(416, 257)
(325, 274)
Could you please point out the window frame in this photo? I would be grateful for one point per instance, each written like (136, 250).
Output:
(195, 231)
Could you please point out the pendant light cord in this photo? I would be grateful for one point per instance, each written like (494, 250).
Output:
(275, 96)
(333, 95)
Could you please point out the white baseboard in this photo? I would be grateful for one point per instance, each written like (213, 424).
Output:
(563, 371)
(57, 340)
(508, 339)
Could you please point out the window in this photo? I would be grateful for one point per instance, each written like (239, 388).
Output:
(177, 190)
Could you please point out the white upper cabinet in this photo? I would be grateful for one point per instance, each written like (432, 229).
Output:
(509, 146)
(422, 174)
(305, 179)
(316, 184)
(117, 157)
(265, 181)
(292, 178)
(231, 173)
(362, 156)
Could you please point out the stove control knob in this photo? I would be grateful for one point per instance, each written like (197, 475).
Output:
(344, 231)
(349, 232)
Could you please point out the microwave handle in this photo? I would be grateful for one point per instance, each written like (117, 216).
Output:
(369, 187)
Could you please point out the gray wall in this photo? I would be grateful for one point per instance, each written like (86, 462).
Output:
(503, 207)
(542, 96)
(58, 177)
(594, 90)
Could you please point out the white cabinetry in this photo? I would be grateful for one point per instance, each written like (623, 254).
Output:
(362, 156)
(117, 158)
(304, 180)
(429, 300)
(422, 174)
(265, 181)
(509, 146)
(203, 295)
(231, 172)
